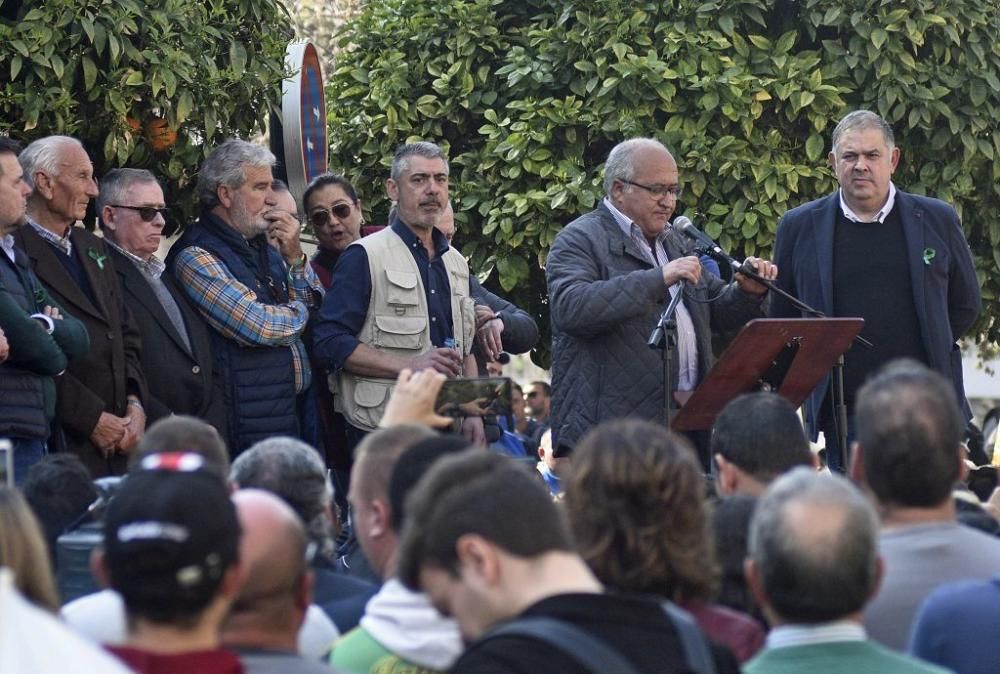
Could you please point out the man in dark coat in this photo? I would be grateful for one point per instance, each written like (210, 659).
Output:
(100, 396)
(898, 260)
(610, 274)
(176, 346)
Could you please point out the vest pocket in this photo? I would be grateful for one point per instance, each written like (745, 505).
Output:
(399, 332)
(370, 397)
(402, 289)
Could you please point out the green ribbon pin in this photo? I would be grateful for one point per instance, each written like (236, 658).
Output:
(100, 259)
(929, 254)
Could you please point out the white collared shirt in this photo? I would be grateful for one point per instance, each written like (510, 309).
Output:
(687, 341)
(786, 636)
(879, 217)
(7, 243)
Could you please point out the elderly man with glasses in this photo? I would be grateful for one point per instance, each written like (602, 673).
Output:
(176, 345)
(100, 398)
(610, 275)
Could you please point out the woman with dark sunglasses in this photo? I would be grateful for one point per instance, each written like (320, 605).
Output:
(333, 211)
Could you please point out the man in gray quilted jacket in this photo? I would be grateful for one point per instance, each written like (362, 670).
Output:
(610, 275)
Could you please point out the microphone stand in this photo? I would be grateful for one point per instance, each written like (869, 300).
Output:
(664, 337)
(839, 404)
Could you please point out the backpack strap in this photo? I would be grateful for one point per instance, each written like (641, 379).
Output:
(697, 654)
(590, 653)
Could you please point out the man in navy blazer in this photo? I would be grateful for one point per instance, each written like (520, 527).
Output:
(898, 260)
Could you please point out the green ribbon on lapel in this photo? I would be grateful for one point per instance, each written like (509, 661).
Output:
(929, 254)
(100, 259)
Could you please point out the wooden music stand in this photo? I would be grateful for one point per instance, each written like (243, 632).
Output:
(786, 355)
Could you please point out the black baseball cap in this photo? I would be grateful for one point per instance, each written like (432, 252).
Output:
(170, 534)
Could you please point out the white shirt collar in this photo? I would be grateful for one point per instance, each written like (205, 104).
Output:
(7, 243)
(785, 636)
(879, 217)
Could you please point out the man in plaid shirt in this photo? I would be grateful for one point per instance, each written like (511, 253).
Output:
(256, 297)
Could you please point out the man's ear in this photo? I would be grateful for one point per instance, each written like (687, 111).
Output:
(232, 581)
(225, 194)
(392, 189)
(108, 218)
(754, 582)
(856, 467)
(725, 476)
(963, 467)
(478, 557)
(304, 593)
(99, 567)
(381, 518)
(879, 577)
(42, 184)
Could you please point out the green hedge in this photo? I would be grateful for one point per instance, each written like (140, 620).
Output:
(530, 95)
(102, 70)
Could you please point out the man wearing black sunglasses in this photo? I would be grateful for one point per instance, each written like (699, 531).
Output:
(176, 346)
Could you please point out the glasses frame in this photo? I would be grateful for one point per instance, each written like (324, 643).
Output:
(146, 213)
(658, 191)
(328, 213)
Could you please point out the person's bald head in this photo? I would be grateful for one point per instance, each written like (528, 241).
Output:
(278, 586)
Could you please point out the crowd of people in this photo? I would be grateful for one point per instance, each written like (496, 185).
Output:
(251, 442)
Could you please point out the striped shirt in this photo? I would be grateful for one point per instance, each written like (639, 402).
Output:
(687, 341)
(232, 308)
(785, 636)
(63, 242)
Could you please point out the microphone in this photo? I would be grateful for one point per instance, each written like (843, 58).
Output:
(684, 225)
(687, 228)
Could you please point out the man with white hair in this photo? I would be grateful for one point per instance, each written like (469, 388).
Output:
(610, 275)
(100, 396)
(256, 298)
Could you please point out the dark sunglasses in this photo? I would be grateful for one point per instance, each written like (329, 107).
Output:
(321, 217)
(147, 213)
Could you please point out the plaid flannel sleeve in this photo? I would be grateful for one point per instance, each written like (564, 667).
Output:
(232, 308)
(304, 285)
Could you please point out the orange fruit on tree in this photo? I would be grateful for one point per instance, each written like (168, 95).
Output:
(159, 135)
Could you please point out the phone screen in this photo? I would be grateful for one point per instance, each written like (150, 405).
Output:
(6, 462)
(474, 397)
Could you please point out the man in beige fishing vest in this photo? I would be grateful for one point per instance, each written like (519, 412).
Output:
(399, 300)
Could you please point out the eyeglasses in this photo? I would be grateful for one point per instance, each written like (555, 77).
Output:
(321, 216)
(658, 191)
(147, 213)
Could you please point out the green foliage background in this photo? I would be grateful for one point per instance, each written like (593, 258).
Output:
(530, 95)
(211, 68)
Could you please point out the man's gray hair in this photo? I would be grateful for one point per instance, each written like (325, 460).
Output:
(44, 155)
(813, 540)
(227, 166)
(860, 120)
(295, 472)
(621, 160)
(425, 149)
(116, 184)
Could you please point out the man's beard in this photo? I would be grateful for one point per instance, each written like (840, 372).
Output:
(245, 223)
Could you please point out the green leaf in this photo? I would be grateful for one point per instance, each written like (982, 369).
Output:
(237, 58)
(879, 37)
(814, 147)
(185, 104)
(15, 67)
(89, 72)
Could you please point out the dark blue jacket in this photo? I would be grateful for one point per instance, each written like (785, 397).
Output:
(258, 385)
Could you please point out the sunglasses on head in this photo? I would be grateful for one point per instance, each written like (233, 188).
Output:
(147, 213)
(321, 217)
